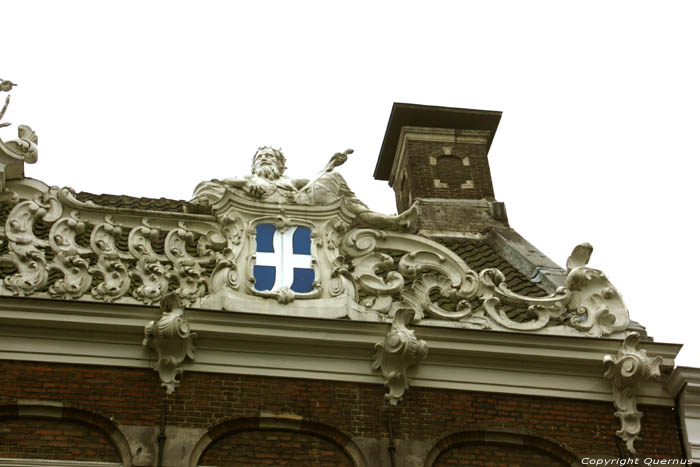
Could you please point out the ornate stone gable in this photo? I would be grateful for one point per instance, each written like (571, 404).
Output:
(364, 266)
(267, 243)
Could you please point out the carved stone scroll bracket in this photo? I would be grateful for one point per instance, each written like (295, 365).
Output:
(170, 337)
(399, 351)
(627, 371)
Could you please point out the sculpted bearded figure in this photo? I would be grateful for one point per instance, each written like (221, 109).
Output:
(268, 184)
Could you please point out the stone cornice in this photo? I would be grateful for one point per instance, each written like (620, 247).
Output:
(329, 349)
(684, 386)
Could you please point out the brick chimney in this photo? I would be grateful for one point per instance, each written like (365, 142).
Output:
(437, 156)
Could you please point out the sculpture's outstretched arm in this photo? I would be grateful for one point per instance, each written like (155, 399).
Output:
(337, 159)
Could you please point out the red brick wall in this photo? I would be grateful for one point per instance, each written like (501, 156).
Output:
(497, 456)
(422, 175)
(55, 439)
(273, 448)
(133, 396)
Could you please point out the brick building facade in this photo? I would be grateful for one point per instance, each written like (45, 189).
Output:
(437, 338)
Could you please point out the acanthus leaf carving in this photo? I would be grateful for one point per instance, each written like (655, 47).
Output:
(150, 269)
(227, 247)
(366, 274)
(63, 233)
(110, 266)
(154, 282)
(598, 307)
(32, 274)
(172, 340)
(191, 284)
(418, 296)
(627, 371)
(25, 250)
(141, 240)
(400, 350)
(76, 276)
(186, 270)
(115, 278)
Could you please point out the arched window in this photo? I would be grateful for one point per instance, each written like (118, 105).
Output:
(487, 448)
(277, 441)
(39, 434)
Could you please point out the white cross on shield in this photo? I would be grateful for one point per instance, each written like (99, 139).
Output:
(283, 259)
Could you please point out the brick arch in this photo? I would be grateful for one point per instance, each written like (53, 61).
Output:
(292, 423)
(48, 410)
(503, 438)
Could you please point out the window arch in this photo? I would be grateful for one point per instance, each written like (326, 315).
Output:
(480, 446)
(38, 421)
(255, 429)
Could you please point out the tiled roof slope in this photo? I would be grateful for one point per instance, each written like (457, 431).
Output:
(479, 256)
(131, 202)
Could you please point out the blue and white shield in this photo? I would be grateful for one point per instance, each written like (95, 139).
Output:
(283, 259)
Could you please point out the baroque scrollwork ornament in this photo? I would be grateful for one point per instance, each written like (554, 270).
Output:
(172, 340)
(598, 307)
(400, 350)
(319, 260)
(627, 371)
(15, 153)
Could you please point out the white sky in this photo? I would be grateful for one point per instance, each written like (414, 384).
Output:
(598, 140)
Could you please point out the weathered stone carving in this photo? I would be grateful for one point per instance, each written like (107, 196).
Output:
(110, 266)
(627, 371)
(26, 252)
(598, 306)
(170, 337)
(351, 270)
(76, 276)
(542, 310)
(399, 351)
(13, 154)
(268, 184)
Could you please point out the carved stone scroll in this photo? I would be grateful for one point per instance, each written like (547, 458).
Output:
(399, 351)
(598, 306)
(627, 371)
(56, 246)
(170, 337)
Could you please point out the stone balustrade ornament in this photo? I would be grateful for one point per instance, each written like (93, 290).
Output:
(268, 243)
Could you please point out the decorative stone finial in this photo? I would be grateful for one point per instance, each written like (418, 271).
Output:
(597, 306)
(13, 154)
(627, 371)
(172, 340)
(400, 350)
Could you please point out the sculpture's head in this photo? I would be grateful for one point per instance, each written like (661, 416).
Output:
(269, 163)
